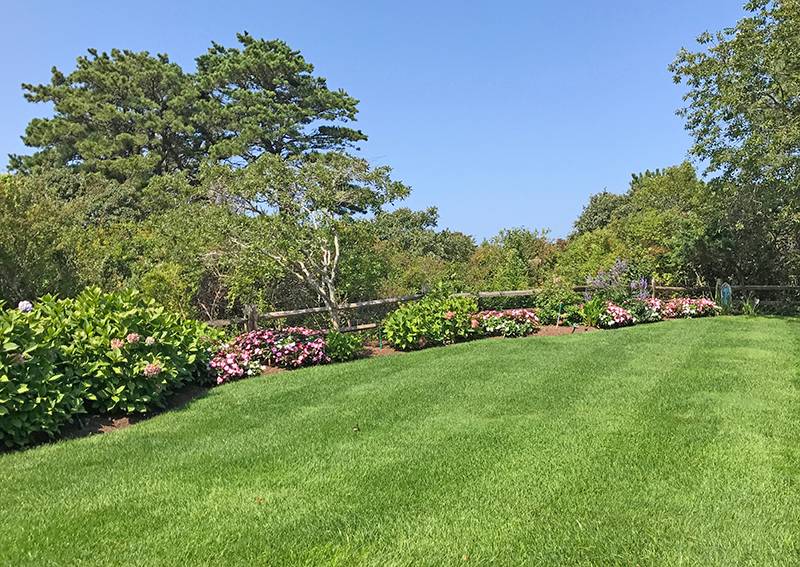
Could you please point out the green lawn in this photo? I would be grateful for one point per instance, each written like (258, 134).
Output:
(672, 444)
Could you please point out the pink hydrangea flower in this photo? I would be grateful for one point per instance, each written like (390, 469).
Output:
(133, 338)
(117, 343)
(152, 369)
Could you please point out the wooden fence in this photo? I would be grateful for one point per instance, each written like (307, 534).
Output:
(253, 317)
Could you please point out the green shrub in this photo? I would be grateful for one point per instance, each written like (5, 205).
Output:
(99, 352)
(592, 310)
(129, 352)
(572, 314)
(437, 319)
(38, 395)
(555, 299)
(341, 347)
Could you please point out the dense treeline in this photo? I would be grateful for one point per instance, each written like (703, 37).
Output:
(232, 184)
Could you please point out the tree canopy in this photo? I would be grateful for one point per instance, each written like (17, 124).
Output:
(131, 115)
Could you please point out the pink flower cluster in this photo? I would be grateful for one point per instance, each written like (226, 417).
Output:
(250, 353)
(654, 303)
(518, 315)
(152, 369)
(689, 307)
(508, 322)
(615, 316)
(132, 339)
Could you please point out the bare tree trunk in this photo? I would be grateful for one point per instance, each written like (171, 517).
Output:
(334, 312)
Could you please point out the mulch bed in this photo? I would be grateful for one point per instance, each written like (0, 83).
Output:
(552, 330)
(372, 350)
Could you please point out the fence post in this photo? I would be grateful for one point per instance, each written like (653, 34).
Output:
(251, 317)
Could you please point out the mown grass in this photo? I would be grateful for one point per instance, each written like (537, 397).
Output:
(669, 444)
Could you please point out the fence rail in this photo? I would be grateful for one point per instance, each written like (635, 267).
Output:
(252, 317)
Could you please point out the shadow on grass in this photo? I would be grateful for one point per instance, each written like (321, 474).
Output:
(88, 425)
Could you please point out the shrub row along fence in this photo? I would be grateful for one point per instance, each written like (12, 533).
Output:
(252, 318)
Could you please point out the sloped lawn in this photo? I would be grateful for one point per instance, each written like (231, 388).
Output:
(673, 443)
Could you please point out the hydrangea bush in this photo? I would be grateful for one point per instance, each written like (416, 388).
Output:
(437, 319)
(341, 347)
(506, 323)
(130, 352)
(99, 352)
(38, 394)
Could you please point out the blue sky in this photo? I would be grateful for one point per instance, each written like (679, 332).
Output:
(500, 113)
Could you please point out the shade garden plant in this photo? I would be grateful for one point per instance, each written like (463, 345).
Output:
(437, 319)
(38, 392)
(614, 316)
(646, 310)
(99, 353)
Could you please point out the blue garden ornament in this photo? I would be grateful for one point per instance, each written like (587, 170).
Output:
(725, 296)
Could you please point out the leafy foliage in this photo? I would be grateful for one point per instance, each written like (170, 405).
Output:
(437, 319)
(99, 352)
(131, 116)
(299, 207)
(592, 310)
(38, 392)
(130, 352)
(742, 111)
(554, 300)
(598, 212)
(341, 347)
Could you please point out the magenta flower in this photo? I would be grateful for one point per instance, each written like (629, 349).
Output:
(249, 353)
